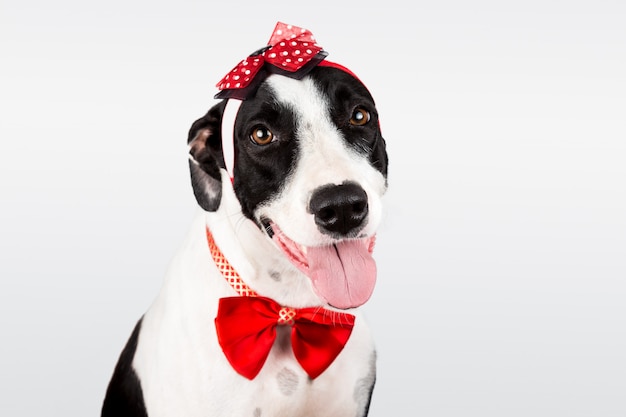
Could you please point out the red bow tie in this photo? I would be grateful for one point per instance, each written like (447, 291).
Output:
(246, 330)
(246, 326)
(291, 51)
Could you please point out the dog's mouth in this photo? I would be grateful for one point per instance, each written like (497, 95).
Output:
(343, 274)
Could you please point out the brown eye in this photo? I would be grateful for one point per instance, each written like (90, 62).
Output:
(261, 135)
(360, 117)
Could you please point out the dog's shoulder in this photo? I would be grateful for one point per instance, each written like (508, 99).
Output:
(124, 396)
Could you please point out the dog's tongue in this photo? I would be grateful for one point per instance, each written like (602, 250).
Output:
(343, 274)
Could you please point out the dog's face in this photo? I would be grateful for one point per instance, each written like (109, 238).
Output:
(310, 171)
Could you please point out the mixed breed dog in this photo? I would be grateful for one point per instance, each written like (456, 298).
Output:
(258, 314)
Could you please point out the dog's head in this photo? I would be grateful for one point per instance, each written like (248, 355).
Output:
(310, 170)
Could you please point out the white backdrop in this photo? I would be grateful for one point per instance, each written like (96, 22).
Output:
(502, 255)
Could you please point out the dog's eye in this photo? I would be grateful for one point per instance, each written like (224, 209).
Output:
(261, 135)
(360, 117)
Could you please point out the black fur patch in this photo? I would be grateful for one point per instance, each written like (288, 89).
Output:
(261, 170)
(345, 94)
(124, 397)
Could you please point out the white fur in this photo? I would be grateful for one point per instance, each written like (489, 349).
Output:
(182, 369)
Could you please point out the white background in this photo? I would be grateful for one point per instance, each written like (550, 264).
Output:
(502, 255)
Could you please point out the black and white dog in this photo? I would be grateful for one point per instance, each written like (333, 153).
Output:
(295, 227)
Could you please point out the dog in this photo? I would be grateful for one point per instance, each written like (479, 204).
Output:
(283, 239)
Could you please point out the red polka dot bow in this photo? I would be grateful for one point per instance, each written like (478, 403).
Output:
(291, 51)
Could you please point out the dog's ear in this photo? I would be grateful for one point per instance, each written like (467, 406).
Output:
(206, 158)
(379, 156)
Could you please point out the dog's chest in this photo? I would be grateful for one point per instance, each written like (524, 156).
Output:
(183, 371)
(206, 384)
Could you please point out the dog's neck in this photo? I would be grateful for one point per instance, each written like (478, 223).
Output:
(252, 254)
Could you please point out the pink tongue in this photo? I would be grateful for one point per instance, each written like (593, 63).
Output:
(343, 274)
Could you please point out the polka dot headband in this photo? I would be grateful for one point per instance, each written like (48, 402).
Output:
(291, 51)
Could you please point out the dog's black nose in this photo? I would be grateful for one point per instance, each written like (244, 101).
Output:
(339, 209)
